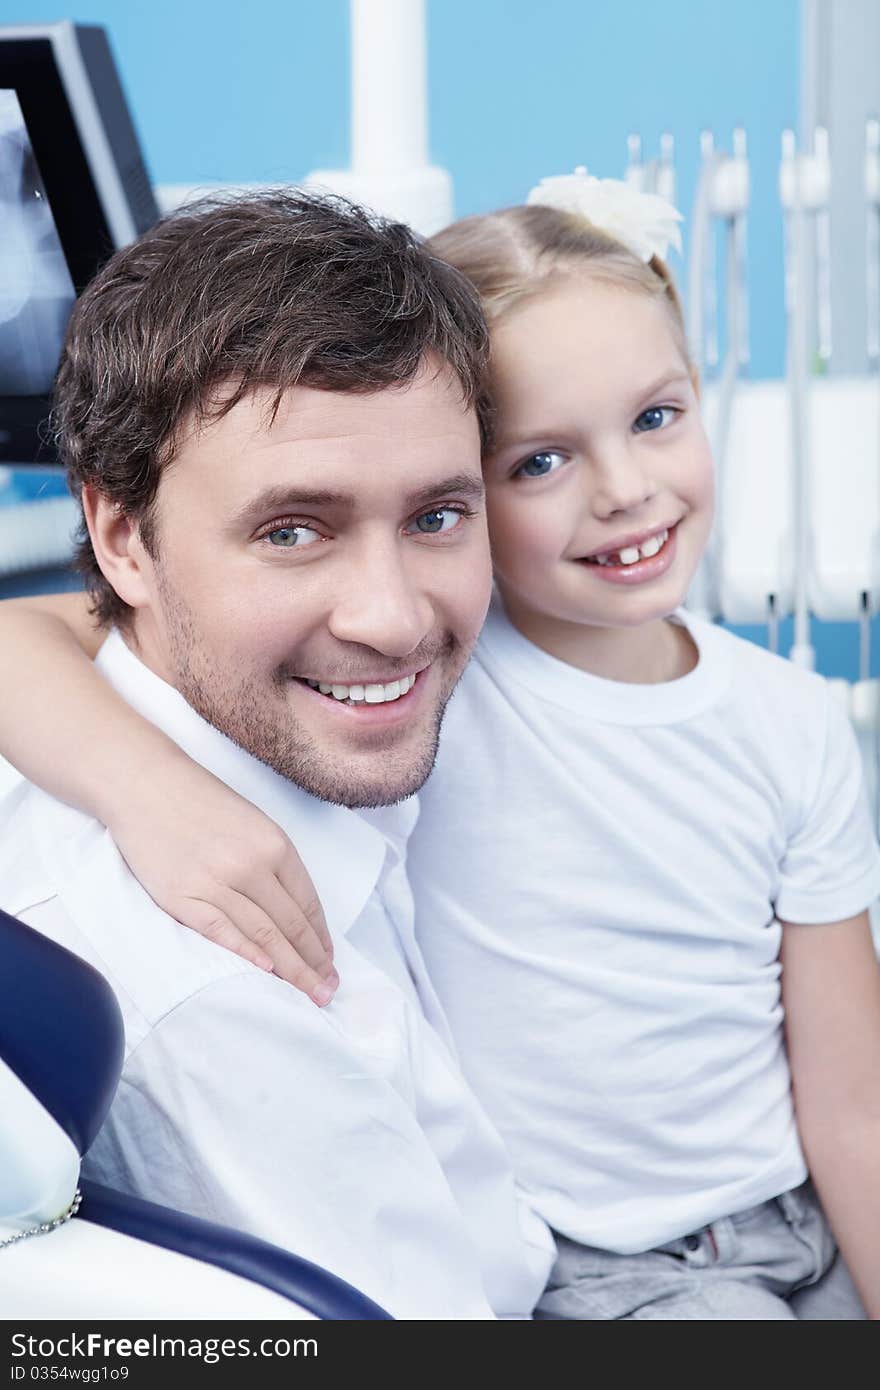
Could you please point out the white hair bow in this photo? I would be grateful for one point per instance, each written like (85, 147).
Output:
(644, 222)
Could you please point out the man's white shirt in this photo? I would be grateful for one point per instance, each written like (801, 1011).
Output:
(347, 1134)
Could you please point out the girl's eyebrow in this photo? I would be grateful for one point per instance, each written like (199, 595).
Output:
(523, 439)
(674, 377)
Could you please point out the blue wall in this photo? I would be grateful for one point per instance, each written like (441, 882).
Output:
(233, 91)
(258, 92)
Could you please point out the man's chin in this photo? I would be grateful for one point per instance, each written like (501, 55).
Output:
(386, 782)
(342, 764)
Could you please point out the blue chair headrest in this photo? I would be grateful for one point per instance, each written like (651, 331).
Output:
(61, 1029)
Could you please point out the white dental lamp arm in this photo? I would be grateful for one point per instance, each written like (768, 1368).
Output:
(389, 82)
(390, 171)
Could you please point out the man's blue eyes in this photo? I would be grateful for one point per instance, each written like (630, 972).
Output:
(286, 537)
(428, 524)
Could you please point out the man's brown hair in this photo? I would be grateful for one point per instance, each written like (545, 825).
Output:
(271, 291)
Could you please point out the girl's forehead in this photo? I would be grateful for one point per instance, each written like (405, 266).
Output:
(569, 361)
(590, 307)
(585, 332)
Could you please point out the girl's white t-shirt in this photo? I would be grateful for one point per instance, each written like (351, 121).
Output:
(600, 870)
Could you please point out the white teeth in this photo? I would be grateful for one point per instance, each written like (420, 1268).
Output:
(366, 694)
(633, 553)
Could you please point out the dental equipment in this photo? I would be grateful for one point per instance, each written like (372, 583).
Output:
(655, 175)
(73, 188)
(37, 535)
(843, 414)
(804, 187)
(872, 241)
(389, 170)
(722, 196)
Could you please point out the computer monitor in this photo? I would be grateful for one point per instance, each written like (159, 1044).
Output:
(73, 188)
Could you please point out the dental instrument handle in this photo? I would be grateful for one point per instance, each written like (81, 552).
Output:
(701, 231)
(772, 625)
(823, 286)
(872, 242)
(865, 638)
(740, 154)
(635, 169)
(728, 199)
(791, 187)
(665, 185)
(709, 326)
(821, 176)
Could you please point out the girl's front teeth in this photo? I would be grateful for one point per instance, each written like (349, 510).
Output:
(633, 553)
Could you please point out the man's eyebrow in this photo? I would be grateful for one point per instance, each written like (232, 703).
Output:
(292, 498)
(466, 485)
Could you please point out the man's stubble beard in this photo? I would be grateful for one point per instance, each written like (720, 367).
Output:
(266, 727)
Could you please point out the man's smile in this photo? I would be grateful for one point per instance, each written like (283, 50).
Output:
(370, 692)
(373, 703)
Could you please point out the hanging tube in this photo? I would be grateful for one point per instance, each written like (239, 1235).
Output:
(802, 653)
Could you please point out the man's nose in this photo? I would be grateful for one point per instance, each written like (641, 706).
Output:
(383, 605)
(619, 482)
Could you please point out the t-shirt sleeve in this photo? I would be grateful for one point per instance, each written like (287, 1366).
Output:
(831, 867)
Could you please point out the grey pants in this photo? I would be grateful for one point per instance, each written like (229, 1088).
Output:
(776, 1260)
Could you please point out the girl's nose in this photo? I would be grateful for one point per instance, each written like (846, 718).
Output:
(619, 484)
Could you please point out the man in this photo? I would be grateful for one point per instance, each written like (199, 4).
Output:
(269, 410)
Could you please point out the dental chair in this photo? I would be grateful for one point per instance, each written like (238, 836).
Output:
(71, 1249)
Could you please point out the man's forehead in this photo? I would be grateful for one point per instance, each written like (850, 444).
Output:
(403, 445)
(432, 401)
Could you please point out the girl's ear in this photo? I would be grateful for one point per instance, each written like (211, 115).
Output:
(117, 546)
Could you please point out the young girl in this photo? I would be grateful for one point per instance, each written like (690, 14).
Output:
(644, 859)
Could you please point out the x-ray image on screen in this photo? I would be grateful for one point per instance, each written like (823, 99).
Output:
(36, 291)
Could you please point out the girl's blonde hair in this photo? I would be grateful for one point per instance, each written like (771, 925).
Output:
(519, 252)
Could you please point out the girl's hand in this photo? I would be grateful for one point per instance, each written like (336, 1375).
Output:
(213, 861)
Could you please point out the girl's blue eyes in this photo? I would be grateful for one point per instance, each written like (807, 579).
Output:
(539, 465)
(654, 418)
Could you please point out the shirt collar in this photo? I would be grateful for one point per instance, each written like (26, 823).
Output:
(342, 853)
